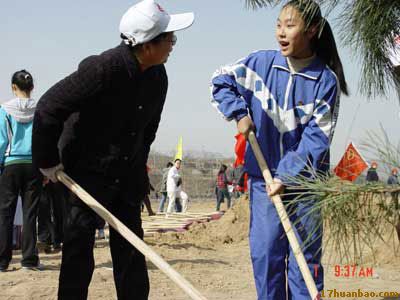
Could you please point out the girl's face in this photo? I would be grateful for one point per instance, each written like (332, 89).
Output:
(293, 40)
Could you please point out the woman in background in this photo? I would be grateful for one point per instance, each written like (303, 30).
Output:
(222, 188)
(18, 176)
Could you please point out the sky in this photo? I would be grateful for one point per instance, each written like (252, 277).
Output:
(50, 38)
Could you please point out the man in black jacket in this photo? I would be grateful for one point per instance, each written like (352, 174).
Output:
(118, 97)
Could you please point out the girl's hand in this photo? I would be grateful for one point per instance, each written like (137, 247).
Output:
(245, 125)
(275, 188)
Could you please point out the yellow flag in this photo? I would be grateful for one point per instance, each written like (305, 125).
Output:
(179, 151)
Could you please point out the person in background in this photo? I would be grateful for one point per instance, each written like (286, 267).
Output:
(18, 175)
(222, 188)
(393, 178)
(174, 188)
(163, 189)
(372, 174)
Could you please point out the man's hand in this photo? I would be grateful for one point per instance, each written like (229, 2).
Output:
(245, 125)
(50, 173)
(275, 188)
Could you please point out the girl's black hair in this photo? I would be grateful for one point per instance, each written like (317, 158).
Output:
(323, 42)
(23, 80)
(169, 164)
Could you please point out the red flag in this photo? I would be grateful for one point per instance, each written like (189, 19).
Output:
(240, 149)
(351, 165)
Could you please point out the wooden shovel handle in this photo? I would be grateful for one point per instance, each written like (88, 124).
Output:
(130, 236)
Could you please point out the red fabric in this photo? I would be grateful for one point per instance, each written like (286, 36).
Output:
(221, 181)
(351, 165)
(240, 149)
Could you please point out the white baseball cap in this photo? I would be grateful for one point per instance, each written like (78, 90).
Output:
(147, 19)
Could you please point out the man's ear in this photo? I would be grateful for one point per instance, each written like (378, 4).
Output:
(146, 48)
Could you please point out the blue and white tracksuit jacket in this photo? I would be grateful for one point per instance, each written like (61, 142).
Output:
(294, 116)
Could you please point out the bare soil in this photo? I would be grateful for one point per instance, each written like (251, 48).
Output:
(213, 256)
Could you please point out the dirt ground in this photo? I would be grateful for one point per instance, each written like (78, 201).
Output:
(213, 256)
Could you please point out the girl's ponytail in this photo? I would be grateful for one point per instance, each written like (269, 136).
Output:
(326, 49)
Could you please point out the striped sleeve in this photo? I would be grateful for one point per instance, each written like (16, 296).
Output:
(229, 94)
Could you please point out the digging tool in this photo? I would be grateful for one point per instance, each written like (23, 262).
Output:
(130, 236)
(294, 243)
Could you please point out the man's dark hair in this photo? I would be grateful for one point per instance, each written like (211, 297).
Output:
(155, 40)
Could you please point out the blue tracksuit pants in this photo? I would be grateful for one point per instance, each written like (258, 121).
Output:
(271, 254)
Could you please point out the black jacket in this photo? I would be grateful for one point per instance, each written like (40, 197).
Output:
(372, 175)
(115, 111)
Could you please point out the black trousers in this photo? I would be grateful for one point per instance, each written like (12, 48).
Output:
(18, 179)
(129, 265)
(51, 213)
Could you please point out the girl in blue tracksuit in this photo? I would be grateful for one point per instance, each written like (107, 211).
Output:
(290, 98)
(18, 177)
